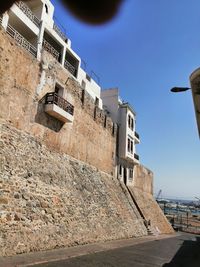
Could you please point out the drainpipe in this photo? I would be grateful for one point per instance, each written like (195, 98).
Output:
(40, 41)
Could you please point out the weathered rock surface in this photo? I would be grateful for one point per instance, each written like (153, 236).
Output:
(151, 211)
(50, 200)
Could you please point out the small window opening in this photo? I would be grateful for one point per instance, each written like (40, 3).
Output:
(97, 102)
(95, 112)
(120, 169)
(59, 90)
(83, 84)
(46, 9)
(130, 173)
(105, 121)
(113, 129)
(131, 147)
(83, 96)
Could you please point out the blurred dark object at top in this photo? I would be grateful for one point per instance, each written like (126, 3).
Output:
(90, 11)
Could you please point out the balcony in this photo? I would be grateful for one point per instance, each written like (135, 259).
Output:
(136, 157)
(27, 11)
(21, 40)
(70, 68)
(62, 35)
(59, 108)
(137, 138)
(49, 48)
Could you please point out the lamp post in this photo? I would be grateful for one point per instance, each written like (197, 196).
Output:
(179, 89)
(196, 98)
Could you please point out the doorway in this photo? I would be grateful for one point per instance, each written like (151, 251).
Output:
(125, 176)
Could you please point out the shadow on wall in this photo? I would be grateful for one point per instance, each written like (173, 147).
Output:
(45, 119)
(187, 256)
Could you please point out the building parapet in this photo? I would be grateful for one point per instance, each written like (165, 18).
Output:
(60, 32)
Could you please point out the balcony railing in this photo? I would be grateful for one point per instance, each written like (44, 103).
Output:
(137, 135)
(27, 11)
(60, 32)
(136, 156)
(53, 98)
(21, 40)
(70, 68)
(51, 50)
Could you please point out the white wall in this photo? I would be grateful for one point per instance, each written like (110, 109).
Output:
(110, 100)
(91, 86)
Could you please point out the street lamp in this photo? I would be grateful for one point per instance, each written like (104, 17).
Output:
(195, 93)
(179, 89)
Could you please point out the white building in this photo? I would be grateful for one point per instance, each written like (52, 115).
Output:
(32, 25)
(123, 114)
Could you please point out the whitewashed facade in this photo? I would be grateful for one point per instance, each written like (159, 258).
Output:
(123, 114)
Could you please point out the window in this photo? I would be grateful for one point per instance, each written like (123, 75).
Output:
(97, 101)
(105, 121)
(59, 90)
(46, 9)
(88, 77)
(132, 124)
(131, 173)
(83, 96)
(95, 113)
(129, 121)
(113, 129)
(129, 145)
(83, 84)
(120, 169)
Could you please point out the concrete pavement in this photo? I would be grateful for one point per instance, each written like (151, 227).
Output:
(62, 254)
(179, 251)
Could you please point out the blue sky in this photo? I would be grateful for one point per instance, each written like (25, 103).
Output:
(151, 46)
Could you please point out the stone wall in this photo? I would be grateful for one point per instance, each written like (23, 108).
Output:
(48, 199)
(143, 179)
(151, 211)
(55, 187)
(23, 84)
(142, 192)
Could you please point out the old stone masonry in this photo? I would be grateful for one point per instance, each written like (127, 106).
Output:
(69, 171)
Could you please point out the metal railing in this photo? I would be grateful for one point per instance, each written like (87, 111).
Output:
(136, 156)
(1, 19)
(21, 40)
(27, 11)
(60, 32)
(137, 135)
(46, 45)
(70, 68)
(53, 98)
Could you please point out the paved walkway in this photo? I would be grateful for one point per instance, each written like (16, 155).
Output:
(53, 256)
(180, 251)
